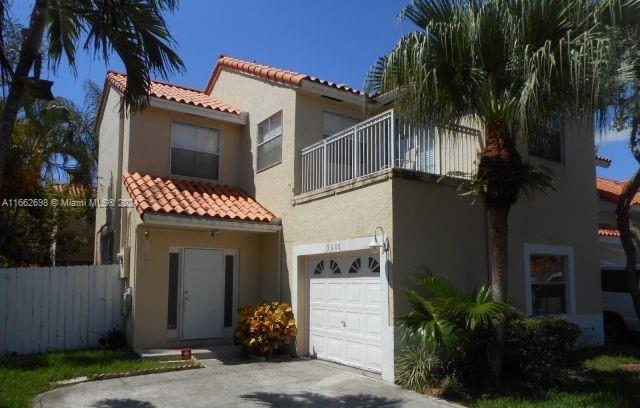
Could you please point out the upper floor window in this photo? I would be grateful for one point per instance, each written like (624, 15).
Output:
(546, 141)
(270, 141)
(333, 123)
(195, 151)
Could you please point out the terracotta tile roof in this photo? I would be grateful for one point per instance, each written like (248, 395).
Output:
(610, 190)
(74, 189)
(176, 93)
(606, 230)
(188, 197)
(279, 75)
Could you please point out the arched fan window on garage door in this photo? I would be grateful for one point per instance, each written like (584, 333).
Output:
(374, 265)
(319, 268)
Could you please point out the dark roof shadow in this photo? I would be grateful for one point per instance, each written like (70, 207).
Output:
(122, 403)
(313, 400)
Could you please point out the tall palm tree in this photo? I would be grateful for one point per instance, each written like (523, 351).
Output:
(135, 30)
(512, 65)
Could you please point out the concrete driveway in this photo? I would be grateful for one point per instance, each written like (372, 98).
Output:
(235, 382)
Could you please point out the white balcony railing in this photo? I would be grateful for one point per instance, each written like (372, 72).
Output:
(382, 142)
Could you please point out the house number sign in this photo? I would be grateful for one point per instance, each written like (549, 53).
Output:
(334, 247)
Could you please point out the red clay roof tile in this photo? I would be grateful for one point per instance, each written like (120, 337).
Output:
(606, 230)
(279, 75)
(610, 190)
(176, 93)
(174, 196)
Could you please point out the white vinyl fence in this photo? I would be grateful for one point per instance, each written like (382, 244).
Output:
(58, 308)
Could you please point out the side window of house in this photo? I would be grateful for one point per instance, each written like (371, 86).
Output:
(614, 280)
(548, 284)
(546, 142)
(195, 151)
(270, 141)
(333, 123)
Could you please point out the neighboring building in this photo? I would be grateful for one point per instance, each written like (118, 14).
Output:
(619, 314)
(81, 226)
(271, 184)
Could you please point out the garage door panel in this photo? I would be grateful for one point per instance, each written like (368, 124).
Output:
(355, 323)
(335, 348)
(318, 318)
(354, 353)
(373, 294)
(374, 327)
(318, 291)
(374, 357)
(344, 310)
(316, 344)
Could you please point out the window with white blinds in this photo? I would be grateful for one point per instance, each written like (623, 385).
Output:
(195, 151)
(333, 123)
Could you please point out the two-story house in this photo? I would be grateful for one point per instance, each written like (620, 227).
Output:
(271, 184)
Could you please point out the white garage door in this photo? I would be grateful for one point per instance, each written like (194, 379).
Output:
(345, 314)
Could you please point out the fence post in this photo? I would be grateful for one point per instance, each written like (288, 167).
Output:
(324, 163)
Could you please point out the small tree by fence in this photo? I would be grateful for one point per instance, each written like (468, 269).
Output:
(58, 308)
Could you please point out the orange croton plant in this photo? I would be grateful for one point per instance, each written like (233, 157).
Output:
(264, 328)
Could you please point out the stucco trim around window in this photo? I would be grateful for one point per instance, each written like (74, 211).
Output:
(544, 249)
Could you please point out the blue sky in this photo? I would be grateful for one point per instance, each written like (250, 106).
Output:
(336, 40)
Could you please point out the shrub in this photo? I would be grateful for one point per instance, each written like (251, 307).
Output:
(419, 367)
(265, 328)
(537, 346)
(113, 339)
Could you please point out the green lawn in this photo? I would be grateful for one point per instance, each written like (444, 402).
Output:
(23, 377)
(596, 381)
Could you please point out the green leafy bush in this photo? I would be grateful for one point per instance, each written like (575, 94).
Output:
(538, 346)
(265, 328)
(419, 367)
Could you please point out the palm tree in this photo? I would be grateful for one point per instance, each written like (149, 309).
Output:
(627, 106)
(134, 29)
(48, 144)
(512, 65)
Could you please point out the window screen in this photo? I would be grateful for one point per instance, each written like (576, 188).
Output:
(172, 311)
(228, 290)
(195, 151)
(546, 141)
(270, 141)
(614, 280)
(333, 123)
(548, 284)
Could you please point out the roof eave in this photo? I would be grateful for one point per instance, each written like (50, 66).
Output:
(162, 103)
(193, 222)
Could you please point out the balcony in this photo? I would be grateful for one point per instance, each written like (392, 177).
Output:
(383, 142)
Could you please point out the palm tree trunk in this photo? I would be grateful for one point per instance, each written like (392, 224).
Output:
(627, 237)
(31, 44)
(623, 220)
(498, 160)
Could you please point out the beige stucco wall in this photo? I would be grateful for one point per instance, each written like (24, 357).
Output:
(151, 283)
(150, 143)
(113, 129)
(436, 230)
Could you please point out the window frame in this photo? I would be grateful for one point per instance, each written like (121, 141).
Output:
(554, 125)
(339, 114)
(550, 250)
(259, 144)
(219, 154)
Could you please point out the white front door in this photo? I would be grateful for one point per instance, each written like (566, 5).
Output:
(345, 316)
(203, 294)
